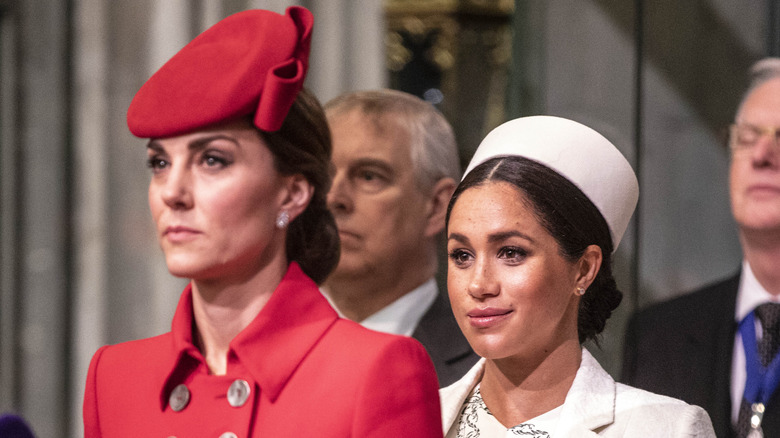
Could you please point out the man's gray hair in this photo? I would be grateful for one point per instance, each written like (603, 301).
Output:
(762, 71)
(432, 140)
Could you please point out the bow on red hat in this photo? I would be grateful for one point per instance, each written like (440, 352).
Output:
(252, 62)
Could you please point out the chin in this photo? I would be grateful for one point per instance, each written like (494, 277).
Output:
(184, 268)
(181, 273)
(490, 348)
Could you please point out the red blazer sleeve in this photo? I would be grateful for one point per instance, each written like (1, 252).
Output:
(90, 412)
(400, 396)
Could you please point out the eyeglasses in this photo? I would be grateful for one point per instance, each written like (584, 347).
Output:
(743, 136)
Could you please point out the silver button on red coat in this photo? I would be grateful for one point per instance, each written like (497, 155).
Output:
(238, 393)
(180, 397)
(228, 435)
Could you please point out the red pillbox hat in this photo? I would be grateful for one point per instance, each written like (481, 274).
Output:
(251, 63)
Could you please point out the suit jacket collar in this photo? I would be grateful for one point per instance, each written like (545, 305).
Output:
(271, 347)
(589, 404)
(716, 339)
(439, 333)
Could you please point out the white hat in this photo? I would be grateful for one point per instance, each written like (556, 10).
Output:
(576, 152)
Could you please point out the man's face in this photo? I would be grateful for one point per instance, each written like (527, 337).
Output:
(755, 168)
(379, 209)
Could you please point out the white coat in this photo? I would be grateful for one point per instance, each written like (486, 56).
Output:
(596, 406)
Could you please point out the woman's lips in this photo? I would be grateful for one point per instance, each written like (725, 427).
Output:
(179, 233)
(487, 317)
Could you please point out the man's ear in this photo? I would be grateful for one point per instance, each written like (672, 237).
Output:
(437, 205)
(589, 265)
(298, 196)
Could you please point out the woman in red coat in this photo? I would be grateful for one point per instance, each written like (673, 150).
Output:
(239, 156)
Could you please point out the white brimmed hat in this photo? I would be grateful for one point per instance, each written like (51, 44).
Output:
(576, 152)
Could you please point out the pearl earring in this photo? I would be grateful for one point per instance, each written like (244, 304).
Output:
(580, 291)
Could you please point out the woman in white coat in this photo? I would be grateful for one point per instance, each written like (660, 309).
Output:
(530, 234)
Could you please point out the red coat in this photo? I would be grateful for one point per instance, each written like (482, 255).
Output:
(309, 374)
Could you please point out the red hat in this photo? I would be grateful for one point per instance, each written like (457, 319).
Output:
(252, 62)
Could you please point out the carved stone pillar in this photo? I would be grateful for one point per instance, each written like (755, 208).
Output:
(456, 55)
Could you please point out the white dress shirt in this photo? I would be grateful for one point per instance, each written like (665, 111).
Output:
(402, 315)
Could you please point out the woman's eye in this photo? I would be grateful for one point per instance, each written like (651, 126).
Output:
(512, 253)
(214, 161)
(459, 257)
(156, 163)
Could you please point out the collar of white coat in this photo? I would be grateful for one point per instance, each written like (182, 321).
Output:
(589, 404)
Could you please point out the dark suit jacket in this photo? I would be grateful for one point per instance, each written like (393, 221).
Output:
(440, 335)
(682, 348)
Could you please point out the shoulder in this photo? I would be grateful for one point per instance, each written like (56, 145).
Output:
(390, 378)
(142, 356)
(136, 351)
(595, 397)
(629, 397)
(351, 339)
(643, 410)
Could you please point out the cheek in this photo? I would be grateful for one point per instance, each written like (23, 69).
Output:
(237, 209)
(456, 285)
(155, 202)
(737, 176)
(537, 289)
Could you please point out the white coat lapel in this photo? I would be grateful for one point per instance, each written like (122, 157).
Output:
(453, 396)
(590, 403)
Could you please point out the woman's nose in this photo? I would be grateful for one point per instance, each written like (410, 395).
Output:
(177, 189)
(339, 196)
(482, 283)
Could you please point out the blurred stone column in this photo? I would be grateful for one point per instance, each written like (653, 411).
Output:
(455, 54)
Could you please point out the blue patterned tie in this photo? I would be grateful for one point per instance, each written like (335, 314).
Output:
(769, 316)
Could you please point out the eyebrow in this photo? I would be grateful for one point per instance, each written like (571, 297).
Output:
(372, 162)
(493, 238)
(459, 237)
(196, 144)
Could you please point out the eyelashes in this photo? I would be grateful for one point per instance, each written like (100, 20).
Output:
(511, 255)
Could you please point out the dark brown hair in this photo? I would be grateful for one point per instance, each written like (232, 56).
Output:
(570, 218)
(303, 145)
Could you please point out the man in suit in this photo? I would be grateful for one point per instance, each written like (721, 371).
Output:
(712, 347)
(396, 166)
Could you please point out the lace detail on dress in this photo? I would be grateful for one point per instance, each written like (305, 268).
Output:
(528, 430)
(467, 427)
(469, 423)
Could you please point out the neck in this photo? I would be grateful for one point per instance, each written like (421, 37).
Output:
(358, 297)
(518, 389)
(222, 309)
(762, 253)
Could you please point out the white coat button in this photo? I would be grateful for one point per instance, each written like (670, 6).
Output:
(180, 397)
(228, 435)
(238, 393)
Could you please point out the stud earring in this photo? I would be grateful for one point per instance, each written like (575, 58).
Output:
(283, 219)
(580, 291)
